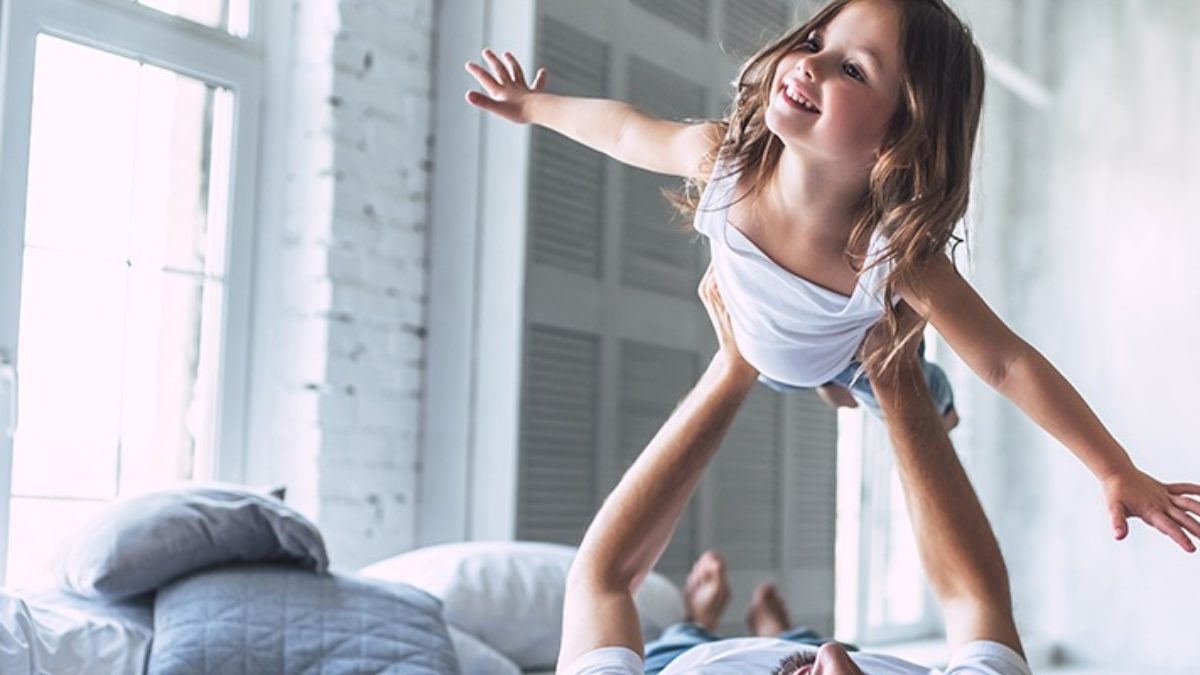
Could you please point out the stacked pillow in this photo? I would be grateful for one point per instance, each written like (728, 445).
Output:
(137, 545)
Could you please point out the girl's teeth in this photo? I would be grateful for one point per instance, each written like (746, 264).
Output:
(791, 93)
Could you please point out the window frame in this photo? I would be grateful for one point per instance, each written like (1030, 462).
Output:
(212, 55)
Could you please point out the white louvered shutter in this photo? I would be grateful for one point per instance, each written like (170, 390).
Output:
(558, 431)
(653, 256)
(748, 24)
(653, 380)
(614, 333)
(687, 15)
(567, 179)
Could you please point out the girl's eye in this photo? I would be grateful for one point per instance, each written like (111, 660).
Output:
(811, 45)
(853, 71)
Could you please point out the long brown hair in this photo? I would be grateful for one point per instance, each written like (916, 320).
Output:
(921, 183)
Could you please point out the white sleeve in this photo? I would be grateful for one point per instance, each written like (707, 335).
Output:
(608, 661)
(987, 658)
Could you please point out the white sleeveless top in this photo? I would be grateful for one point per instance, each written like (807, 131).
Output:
(790, 329)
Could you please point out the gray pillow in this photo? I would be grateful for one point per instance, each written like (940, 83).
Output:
(250, 620)
(136, 545)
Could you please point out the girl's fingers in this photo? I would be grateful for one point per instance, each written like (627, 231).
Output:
(480, 101)
(484, 78)
(1168, 527)
(1186, 503)
(1119, 526)
(1186, 521)
(1184, 489)
(517, 73)
(498, 68)
(539, 80)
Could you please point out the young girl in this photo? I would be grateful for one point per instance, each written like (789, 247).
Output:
(829, 194)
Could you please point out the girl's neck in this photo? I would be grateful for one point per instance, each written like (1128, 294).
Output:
(816, 198)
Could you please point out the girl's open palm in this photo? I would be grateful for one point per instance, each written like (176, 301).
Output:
(1167, 508)
(504, 81)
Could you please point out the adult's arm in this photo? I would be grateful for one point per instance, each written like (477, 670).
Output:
(633, 527)
(957, 546)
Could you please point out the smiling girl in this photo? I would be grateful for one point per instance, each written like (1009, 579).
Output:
(829, 195)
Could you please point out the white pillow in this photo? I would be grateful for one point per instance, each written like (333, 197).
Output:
(476, 658)
(510, 594)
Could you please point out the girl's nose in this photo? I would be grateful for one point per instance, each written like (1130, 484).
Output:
(807, 67)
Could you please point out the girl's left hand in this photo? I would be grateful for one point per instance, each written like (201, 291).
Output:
(1167, 508)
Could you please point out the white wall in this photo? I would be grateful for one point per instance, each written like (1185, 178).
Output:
(341, 263)
(1085, 249)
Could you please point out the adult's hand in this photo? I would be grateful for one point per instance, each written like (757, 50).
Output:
(714, 304)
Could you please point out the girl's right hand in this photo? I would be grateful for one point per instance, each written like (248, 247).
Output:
(507, 94)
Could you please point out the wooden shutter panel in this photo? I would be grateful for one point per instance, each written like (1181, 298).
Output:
(687, 15)
(812, 480)
(631, 264)
(810, 509)
(567, 180)
(557, 487)
(746, 477)
(656, 253)
(653, 380)
(749, 24)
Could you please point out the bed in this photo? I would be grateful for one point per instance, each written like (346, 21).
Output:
(219, 579)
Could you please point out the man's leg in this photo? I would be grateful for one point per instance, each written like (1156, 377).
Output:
(768, 617)
(706, 594)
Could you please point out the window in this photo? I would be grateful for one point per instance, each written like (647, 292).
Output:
(230, 15)
(882, 594)
(127, 315)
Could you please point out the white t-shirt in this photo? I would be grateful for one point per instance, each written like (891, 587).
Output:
(787, 327)
(748, 656)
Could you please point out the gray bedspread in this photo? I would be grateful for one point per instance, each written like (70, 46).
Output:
(272, 619)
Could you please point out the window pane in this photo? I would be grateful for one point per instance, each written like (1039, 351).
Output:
(31, 550)
(167, 416)
(142, 176)
(231, 15)
(71, 338)
(81, 168)
(122, 286)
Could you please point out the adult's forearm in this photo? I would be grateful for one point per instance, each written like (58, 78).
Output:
(635, 524)
(594, 122)
(1039, 389)
(957, 547)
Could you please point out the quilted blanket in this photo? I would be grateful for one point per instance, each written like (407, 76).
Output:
(272, 619)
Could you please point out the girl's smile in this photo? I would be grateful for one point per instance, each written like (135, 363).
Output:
(797, 95)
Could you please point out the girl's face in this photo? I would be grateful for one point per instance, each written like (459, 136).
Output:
(836, 95)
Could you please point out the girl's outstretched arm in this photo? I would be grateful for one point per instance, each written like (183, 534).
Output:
(615, 128)
(1028, 379)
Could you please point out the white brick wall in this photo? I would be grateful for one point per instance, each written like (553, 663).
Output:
(340, 301)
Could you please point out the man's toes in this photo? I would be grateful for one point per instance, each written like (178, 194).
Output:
(711, 558)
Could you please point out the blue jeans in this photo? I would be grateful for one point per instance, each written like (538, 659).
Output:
(680, 637)
(935, 378)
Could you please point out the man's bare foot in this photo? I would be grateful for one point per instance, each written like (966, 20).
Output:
(950, 420)
(706, 593)
(837, 396)
(767, 616)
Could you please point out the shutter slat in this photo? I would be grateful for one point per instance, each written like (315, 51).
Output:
(567, 179)
(687, 15)
(557, 499)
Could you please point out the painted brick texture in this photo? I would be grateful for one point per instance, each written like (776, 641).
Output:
(349, 362)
